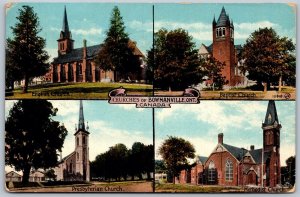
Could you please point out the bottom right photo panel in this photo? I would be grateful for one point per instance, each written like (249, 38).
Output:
(226, 146)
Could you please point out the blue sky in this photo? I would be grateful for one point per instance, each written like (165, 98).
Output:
(91, 20)
(239, 121)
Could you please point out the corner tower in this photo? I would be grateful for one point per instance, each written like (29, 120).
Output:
(223, 45)
(65, 42)
(271, 145)
(82, 148)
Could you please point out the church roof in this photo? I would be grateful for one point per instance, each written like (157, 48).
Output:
(77, 54)
(202, 159)
(66, 157)
(271, 115)
(238, 153)
(223, 19)
(256, 155)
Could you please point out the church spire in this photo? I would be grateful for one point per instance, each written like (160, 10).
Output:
(81, 118)
(271, 115)
(65, 27)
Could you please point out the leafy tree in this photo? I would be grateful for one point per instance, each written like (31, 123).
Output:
(212, 68)
(116, 53)
(269, 58)
(32, 136)
(291, 166)
(175, 152)
(27, 57)
(175, 61)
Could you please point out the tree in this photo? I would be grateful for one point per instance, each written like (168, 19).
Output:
(290, 165)
(175, 152)
(26, 50)
(175, 61)
(269, 58)
(32, 136)
(116, 53)
(212, 68)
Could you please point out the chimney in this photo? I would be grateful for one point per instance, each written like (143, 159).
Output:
(252, 147)
(220, 138)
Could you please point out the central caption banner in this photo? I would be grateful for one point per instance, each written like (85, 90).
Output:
(119, 96)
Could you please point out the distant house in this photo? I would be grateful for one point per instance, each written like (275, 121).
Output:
(13, 176)
(36, 176)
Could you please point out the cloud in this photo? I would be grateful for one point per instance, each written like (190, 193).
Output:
(130, 107)
(203, 31)
(87, 32)
(243, 30)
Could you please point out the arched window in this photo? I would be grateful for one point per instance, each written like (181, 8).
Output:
(228, 170)
(77, 154)
(83, 140)
(77, 141)
(223, 31)
(211, 172)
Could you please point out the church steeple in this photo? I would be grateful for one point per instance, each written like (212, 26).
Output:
(81, 124)
(65, 42)
(271, 117)
(65, 27)
(81, 117)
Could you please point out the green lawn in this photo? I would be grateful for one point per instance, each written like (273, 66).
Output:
(86, 90)
(174, 188)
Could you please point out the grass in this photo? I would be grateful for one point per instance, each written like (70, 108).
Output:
(169, 187)
(97, 90)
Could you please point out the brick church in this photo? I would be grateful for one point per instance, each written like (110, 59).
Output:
(78, 65)
(76, 165)
(228, 165)
(224, 50)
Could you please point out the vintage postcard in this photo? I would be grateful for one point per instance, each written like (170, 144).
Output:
(150, 97)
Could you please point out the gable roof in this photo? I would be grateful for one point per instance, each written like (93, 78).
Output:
(66, 157)
(238, 153)
(77, 54)
(202, 159)
(256, 155)
(13, 174)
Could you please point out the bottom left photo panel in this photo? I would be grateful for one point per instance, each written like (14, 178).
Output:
(77, 146)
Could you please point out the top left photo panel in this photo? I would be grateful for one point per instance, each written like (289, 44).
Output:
(77, 50)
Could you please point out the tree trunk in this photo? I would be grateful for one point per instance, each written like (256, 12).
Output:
(26, 80)
(148, 175)
(173, 179)
(170, 89)
(26, 172)
(265, 86)
(280, 83)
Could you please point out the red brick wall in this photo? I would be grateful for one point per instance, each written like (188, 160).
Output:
(195, 171)
(219, 160)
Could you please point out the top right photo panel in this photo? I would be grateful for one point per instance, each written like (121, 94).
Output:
(225, 51)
